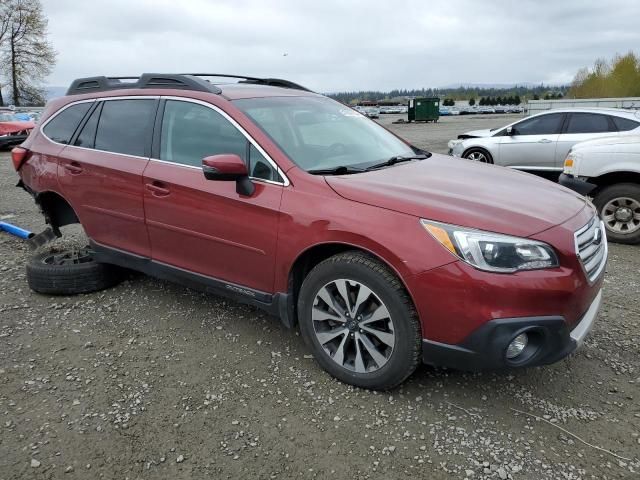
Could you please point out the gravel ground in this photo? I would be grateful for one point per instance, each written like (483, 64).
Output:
(151, 380)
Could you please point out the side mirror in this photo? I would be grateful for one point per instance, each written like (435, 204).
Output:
(228, 167)
(511, 131)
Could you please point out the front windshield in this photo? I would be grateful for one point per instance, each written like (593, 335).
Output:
(319, 133)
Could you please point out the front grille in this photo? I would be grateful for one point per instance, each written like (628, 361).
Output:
(591, 247)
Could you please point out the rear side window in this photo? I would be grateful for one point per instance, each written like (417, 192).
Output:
(624, 124)
(588, 123)
(60, 129)
(87, 136)
(191, 132)
(542, 125)
(124, 126)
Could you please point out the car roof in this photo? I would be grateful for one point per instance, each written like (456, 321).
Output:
(620, 112)
(237, 91)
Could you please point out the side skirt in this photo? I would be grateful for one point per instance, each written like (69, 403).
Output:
(277, 304)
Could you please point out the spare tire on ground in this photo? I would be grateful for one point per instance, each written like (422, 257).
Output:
(69, 272)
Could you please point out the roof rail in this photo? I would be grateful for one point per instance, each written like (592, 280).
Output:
(273, 82)
(146, 80)
(182, 81)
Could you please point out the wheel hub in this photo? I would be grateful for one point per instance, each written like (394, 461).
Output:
(623, 214)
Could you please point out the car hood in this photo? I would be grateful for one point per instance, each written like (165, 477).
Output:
(15, 126)
(465, 193)
(477, 134)
(603, 141)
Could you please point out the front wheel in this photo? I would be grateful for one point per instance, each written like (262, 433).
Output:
(619, 207)
(359, 321)
(478, 155)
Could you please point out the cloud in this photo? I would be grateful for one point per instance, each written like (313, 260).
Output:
(334, 45)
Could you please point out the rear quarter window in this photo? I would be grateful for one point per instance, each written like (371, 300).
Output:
(61, 127)
(625, 124)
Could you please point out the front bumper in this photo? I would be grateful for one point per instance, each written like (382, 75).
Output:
(550, 341)
(580, 186)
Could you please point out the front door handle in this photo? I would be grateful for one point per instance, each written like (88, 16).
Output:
(157, 189)
(544, 140)
(73, 168)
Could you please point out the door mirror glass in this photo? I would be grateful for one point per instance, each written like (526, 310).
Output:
(228, 166)
(511, 131)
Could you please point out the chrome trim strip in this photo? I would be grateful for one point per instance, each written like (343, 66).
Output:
(538, 169)
(579, 333)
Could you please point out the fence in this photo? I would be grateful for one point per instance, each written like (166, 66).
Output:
(537, 106)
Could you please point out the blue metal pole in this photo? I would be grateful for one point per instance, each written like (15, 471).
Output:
(17, 231)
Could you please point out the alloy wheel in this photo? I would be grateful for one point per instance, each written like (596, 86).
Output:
(353, 326)
(478, 157)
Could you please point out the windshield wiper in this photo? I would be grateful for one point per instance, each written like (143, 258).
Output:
(394, 160)
(339, 170)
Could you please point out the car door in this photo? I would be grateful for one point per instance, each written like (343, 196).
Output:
(205, 226)
(532, 143)
(581, 126)
(100, 172)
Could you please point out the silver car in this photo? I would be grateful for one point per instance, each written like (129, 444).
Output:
(541, 142)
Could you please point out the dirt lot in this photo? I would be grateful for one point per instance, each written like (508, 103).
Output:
(150, 380)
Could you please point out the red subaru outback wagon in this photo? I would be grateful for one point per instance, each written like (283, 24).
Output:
(382, 253)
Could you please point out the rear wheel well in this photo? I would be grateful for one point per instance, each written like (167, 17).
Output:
(612, 178)
(312, 257)
(56, 210)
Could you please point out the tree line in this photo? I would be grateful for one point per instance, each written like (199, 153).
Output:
(619, 77)
(26, 56)
(458, 93)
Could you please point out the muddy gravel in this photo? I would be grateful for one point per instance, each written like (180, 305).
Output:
(152, 380)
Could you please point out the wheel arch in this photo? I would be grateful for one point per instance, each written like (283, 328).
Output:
(612, 178)
(314, 254)
(57, 211)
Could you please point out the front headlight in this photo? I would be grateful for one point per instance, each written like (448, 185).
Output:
(453, 144)
(571, 163)
(492, 252)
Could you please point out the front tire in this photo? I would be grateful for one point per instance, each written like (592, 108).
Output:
(478, 155)
(619, 208)
(359, 321)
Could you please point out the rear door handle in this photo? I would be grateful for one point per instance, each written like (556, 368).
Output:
(73, 168)
(544, 140)
(157, 189)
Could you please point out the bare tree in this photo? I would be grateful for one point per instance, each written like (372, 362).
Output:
(4, 29)
(27, 55)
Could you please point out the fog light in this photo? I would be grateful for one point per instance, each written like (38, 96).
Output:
(517, 345)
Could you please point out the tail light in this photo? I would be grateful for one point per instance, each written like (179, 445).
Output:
(19, 155)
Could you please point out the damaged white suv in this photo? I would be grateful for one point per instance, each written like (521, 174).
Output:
(608, 169)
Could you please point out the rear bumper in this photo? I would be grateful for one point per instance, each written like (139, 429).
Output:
(580, 186)
(550, 341)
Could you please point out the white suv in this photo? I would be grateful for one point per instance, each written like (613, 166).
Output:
(608, 169)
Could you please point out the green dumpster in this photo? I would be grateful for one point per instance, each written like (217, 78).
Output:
(424, 109)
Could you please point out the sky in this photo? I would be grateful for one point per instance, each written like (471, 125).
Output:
(342, 45)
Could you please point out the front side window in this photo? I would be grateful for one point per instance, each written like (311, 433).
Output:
(60, 129)
(541, 125)
(320, 133)
(588, 123)
(124, 126)
(191, 131)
